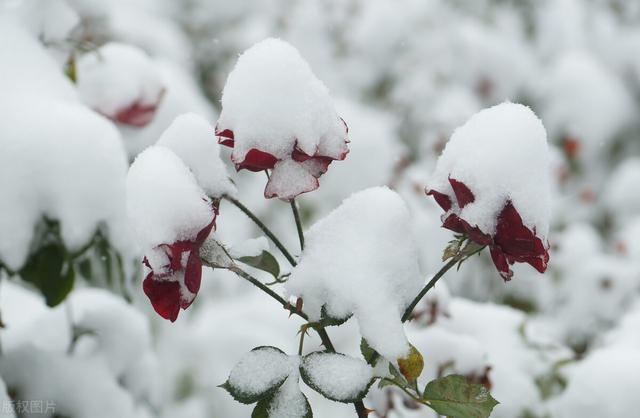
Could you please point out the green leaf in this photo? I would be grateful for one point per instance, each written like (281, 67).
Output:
(327, 320)
(265, 262)
(254, 359)
(370, 355)
(349, 391)
(264, 406)
(453, 396)
(48, 270)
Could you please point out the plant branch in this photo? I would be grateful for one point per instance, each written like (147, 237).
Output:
(263, 228)
(427, 287)
(296, 216)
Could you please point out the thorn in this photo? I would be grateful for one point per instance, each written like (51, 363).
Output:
(367, 411)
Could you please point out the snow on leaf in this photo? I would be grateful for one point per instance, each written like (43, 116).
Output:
(258, 375)
(337, 376)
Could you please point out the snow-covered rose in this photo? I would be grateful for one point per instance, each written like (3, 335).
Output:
(277, 115)
(492, 181)
(120, 82)
(176, 282)
(171, 216)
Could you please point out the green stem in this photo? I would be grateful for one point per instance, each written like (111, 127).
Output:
(428, 286)
(296, 216)
(263, 228)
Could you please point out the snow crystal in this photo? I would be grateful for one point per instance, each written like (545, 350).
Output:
(500, 154)
(193, 140)
(261, 369)
(272, 100)
(116, 77)
(58, 160)
(340, 377)
(164, 202)
(362, 259)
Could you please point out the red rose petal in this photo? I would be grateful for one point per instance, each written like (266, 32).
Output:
(164, 296)
(441, 199)
(193, 274)
(256, 160)
(137, 114)
(501, 263)
(518, 242)
(464, 196)
(225, 137)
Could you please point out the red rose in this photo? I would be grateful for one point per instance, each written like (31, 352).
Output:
(511, 242)
(176, 284)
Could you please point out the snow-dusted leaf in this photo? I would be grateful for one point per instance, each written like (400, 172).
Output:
(265, 261)
(287, 402)
(258, 375)
(336, 376)
(328, 320)
(455, 397)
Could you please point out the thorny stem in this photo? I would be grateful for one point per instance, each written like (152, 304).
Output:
(322, 333)
(296, 216)
(263, 228)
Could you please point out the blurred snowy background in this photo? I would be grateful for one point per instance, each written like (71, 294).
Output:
(404, 74)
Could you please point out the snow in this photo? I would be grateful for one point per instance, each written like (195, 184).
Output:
(576, 93)
(272, 101)
(75, 386)
(260, 370)
(500, 154)
(290, 178)
(619, 197)
(600, 385)
(192, 139)
(289, 401)
(49, 168)
(362, 259)
(116, 77)
(164, 202)
(338, 376)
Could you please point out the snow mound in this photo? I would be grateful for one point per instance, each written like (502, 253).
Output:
(362, 259)
(272, 101)
(501, 155)
(192, 139)
(164, 202)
